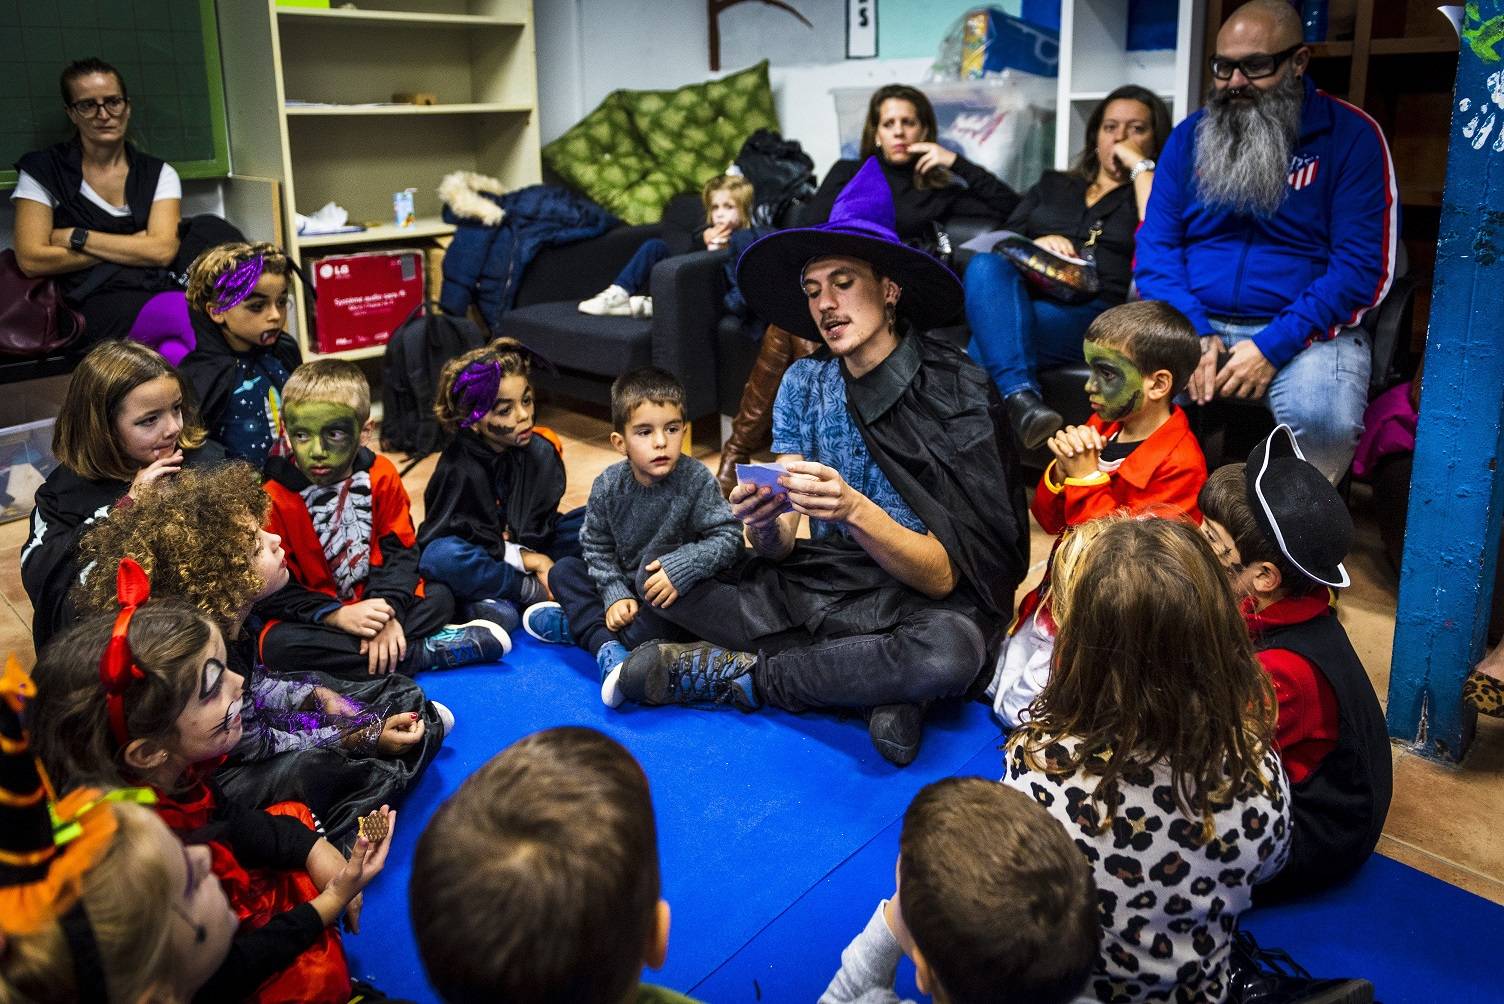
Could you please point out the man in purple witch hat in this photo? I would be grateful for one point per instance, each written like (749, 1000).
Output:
(890, 438)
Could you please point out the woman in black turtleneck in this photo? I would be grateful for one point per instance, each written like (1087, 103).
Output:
(930, 184)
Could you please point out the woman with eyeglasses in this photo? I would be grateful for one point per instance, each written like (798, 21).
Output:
(98, 215)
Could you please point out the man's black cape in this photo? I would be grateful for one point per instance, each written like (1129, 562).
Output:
(932, 421)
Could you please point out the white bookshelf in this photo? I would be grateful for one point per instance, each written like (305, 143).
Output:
(309, 91)
(1094, 61)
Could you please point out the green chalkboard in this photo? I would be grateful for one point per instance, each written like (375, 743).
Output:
(168, 51)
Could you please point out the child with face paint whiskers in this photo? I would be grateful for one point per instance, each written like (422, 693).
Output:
(1137, 449)
(356, 603)
(492, 528)
(238, 301)
(142, 696)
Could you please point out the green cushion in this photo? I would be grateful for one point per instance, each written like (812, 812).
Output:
(638, 149)
(604, 157)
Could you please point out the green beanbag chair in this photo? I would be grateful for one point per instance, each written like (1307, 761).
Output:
(638, 149)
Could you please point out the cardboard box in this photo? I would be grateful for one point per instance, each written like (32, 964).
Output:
(363, 297)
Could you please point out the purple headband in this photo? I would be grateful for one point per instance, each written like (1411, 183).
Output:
(475, 390)
(238, 283)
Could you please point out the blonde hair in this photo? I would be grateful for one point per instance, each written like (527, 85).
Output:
(195, 536)
(84, 438)
(740, 190)
(1066, 561)
(129, 896)
(336, 381)
(508, 353)
(209, 267)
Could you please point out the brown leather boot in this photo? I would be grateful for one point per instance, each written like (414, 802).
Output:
(752, 428)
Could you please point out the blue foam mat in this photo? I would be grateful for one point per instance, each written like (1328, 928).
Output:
(778, 835)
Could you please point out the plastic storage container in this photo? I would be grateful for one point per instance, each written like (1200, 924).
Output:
(25, 462)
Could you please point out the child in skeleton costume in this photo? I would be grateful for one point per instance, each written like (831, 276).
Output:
(356, 604)
(126, 420)
(343, 747)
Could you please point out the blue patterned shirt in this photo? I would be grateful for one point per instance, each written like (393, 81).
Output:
(810, 419)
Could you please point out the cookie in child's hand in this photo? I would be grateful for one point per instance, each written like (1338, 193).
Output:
(373, 827)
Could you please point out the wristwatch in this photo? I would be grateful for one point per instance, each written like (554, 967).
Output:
(1144, 165)
(77, 238)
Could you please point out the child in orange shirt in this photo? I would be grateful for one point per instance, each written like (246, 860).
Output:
(1137, 450)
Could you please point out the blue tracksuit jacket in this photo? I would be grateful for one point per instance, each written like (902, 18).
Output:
(1315, 267)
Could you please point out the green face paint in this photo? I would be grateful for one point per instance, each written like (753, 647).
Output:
(1116, 386)
(324, 437)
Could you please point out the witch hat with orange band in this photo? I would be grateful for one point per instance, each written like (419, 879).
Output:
(48, 845)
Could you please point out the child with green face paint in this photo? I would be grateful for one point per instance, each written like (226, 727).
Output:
(1137, 450)
(356, 603)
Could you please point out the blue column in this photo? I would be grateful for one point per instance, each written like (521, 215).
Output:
(1456, 491)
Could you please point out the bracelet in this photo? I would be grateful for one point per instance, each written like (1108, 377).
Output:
(1091, 480)
(1052, 487)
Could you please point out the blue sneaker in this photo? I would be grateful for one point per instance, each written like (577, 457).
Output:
(500, 612)
(458, 645)
(693, 673)
(547, 622)
(609, 659)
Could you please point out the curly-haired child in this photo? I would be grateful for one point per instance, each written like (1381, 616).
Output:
(143, 697)
(344, 747)
(127, 419)
(356, 604)
(238, 301)
(96, 876)
(728, 210)
(491, 526)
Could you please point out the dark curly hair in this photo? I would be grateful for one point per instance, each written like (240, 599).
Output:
(194, 534)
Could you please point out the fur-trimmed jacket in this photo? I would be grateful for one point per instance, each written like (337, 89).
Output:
(496, 236)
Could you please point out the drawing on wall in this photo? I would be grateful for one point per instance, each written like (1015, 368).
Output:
(784, 32)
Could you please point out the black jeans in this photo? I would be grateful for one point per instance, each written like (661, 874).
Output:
(933, 652)
(575, 590)
(292, 646)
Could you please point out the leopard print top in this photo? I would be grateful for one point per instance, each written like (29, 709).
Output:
(1169, 899)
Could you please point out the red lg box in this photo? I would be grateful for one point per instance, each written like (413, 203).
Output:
(363, 297)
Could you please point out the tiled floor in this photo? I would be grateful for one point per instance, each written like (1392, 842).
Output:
(1444, 820)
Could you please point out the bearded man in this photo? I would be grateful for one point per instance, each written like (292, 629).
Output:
(1273, 227)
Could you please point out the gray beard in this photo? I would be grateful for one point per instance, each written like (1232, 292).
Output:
(1243, 148)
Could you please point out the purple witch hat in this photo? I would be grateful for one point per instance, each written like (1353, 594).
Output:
(862, 225)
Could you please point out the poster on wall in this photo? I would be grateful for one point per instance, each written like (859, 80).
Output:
(861, 29)
(789, 32)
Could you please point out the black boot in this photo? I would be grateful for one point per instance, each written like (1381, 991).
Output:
(1033, 421)
(896, 730)
(1269, 976)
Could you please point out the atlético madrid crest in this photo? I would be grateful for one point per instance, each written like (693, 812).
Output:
(1303, 168)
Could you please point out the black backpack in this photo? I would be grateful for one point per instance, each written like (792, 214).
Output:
(781, 173)
(415, 355)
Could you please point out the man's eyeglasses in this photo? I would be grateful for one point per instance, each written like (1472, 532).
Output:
(1254, 67)
(113, 105)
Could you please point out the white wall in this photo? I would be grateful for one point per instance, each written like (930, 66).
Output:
(588, 48)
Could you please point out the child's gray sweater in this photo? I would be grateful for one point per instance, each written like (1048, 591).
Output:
(682, 518)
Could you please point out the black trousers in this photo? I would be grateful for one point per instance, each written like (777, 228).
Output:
(575, 590)
(932, 652)
(295, 647)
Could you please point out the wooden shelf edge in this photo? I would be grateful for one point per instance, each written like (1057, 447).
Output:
(474, 108)
(427, 227)
(365, 352)
(1441, 45)
(398, 18)
(1331, 49)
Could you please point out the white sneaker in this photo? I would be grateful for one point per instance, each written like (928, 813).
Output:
(446, 718)
(611, 695)
(641, 306)
(609, 302)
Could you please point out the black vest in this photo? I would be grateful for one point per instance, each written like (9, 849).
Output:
(1339, 809)
(59, 169)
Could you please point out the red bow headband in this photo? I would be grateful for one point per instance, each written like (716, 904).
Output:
(117, 667)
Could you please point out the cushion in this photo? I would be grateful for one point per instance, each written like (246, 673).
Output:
(638, 149)
(605, 346)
